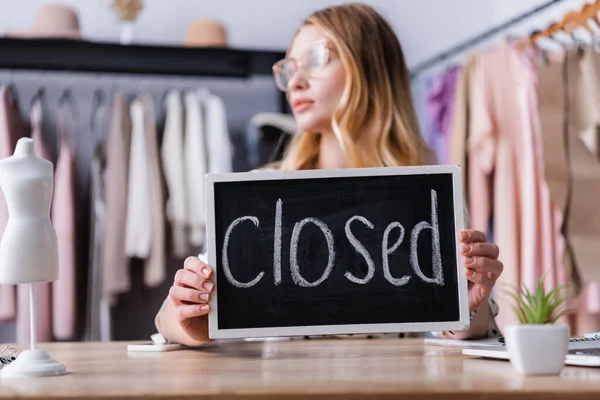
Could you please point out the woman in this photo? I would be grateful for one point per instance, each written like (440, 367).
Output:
(349, 88)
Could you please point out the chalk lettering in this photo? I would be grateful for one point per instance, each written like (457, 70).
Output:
(277, 243)
(225, 256)
(294, 267)
(386, 251)
(438, 276)
(358, 246)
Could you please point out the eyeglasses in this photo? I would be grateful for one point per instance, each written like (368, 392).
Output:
(311, 61)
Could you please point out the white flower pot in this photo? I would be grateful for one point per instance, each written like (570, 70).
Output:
(537, 349)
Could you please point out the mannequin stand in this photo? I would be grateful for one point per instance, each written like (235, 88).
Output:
(33, 362)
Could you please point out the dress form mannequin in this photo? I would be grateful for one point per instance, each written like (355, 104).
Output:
(28, 249)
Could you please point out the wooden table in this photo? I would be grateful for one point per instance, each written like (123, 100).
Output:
(327, 368)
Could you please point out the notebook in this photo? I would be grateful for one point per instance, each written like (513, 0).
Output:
(575, 343)
(589, 357)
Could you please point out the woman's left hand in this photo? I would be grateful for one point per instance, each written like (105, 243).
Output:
(482, 266)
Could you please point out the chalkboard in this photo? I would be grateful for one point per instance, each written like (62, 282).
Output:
(345, 251)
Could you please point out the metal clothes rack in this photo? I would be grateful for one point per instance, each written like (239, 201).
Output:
(97, 59)
(477, 39)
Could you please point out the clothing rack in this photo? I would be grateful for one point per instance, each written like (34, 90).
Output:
(242, 78)
(478, 39)
(103, 57)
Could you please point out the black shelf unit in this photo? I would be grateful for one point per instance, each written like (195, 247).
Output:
(104, 57)
(83, 55)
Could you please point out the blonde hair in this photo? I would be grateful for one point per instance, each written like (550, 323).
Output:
(375, 121)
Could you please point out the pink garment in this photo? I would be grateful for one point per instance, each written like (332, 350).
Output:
(505, 176)
(11, 129)
(63, 219)
(155, 265)
(36, 131)
(43, 310)
(546, 211)
(583, 230)
(115, 263)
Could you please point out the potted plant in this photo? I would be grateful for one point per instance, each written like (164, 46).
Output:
(538, 345)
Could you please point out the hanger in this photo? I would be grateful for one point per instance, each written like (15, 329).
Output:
(66, 106)
(571, 22)
(574, 20)
(142, 87)
(38, 97)
(65, 98)
(590, 11)
(97, 104)
(13, 94)
(41, 97)
(535, 44)
(531, 40)
(169, 91)
(568, 24)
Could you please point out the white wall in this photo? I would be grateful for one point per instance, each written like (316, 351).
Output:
(425, 27)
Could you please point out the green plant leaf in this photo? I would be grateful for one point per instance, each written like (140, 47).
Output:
(555, 308)
(539, 303)
(539, 307)
(522, 306)
(528, 296)
(530, 308)
(530, 313)
(552, 294)
(560, 314)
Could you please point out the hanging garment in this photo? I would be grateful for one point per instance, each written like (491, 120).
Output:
(93, 325)
(94, 328)
(504, 150)
(440, 104)
(420, 90)
(43, 295)
(220, 151)
(583, 220)
(173, 161)
(63, 219)
(139, 206)
(115, 263)
(37, 134)
(196, 166)
(155, 265)
(552, 110)
(11, 129)
(549, 237)
(459, 130)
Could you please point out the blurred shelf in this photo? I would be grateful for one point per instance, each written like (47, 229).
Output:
(91, 56)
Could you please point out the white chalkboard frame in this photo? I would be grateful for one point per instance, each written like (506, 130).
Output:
(259, 175)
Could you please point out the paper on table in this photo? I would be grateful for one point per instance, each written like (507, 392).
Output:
(464, 343)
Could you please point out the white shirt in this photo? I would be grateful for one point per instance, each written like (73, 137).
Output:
(138, 229)
(196, 166)
(173, 162)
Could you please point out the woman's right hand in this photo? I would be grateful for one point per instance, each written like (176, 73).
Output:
(190, 294)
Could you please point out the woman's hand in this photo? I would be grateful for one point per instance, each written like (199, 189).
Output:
(482, 266)
(190, 294)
